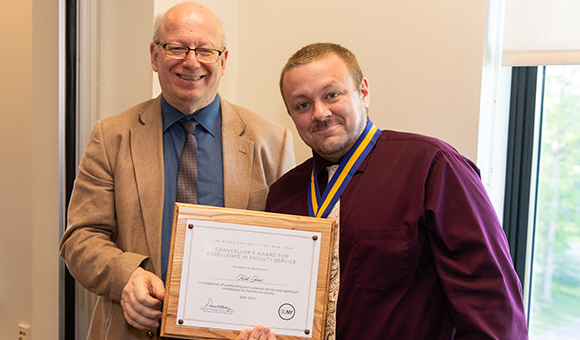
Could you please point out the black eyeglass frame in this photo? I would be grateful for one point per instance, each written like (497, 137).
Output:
(189, 49)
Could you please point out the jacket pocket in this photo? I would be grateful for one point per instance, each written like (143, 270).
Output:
(381, 260)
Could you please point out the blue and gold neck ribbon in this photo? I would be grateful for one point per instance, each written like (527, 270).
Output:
(321, 206)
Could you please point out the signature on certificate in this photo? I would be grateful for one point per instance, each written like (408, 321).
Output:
(249, 278)
(219, 309)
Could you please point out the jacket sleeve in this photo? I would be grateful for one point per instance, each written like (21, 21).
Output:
(89, 245)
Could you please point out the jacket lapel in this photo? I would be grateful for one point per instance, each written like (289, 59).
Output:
(238, 154)
(147, 154)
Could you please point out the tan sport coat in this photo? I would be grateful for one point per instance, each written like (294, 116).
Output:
(116, 208)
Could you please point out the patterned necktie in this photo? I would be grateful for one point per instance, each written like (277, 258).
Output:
(330, 330)
(187, 174)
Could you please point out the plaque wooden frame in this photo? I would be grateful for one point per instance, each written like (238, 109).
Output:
(169, 323)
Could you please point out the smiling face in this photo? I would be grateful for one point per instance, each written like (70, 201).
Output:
(187, 84)
(325, 105)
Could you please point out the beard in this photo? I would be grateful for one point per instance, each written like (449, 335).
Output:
(334, 147)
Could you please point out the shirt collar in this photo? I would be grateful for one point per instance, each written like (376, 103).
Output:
(321, 163)
(208, 117)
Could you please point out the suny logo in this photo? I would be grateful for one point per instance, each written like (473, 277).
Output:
(286, 311)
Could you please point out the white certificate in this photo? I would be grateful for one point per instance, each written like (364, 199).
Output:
(235, 275)
(239, 276)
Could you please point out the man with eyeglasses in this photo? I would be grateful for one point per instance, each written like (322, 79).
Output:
(121, 211)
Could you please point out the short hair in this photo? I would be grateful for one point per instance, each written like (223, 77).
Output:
(319, 51)
(157, 30)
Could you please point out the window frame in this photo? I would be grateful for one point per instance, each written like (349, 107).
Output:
(519, 164)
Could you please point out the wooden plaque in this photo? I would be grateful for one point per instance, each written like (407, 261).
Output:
(271, 232)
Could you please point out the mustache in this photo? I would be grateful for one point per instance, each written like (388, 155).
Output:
(323, 124)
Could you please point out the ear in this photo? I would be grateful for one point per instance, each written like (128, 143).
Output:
(154, 55)
(365, 92)
(223, 60)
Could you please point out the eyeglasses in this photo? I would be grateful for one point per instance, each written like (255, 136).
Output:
(203, 55)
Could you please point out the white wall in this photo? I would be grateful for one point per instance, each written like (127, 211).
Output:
(29, 181)
(125, 31)
(422, 58)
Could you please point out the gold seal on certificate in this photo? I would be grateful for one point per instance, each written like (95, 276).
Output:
(233, 269)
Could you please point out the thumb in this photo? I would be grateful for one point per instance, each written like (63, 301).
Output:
(157, 289)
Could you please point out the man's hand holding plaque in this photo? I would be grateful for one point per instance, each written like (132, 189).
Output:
(258, 333)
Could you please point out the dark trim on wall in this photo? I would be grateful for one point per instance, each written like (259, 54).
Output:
(519, 163)
(70, 148)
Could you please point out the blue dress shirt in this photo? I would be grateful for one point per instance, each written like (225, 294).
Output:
(210, 164)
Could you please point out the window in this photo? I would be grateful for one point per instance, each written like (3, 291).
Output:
(554, 302)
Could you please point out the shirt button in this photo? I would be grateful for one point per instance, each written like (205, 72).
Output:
(149, 335)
